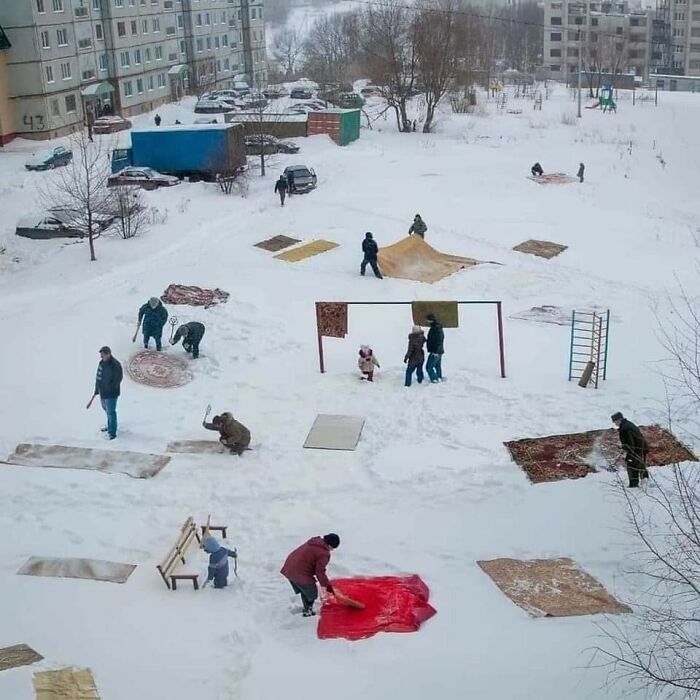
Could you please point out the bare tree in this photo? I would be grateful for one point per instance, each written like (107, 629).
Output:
(80, 190)
(332, 47)
(131, 214)
(287, 49)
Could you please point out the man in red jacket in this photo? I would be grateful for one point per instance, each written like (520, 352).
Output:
(306, 565)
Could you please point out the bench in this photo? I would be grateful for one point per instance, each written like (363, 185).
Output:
(168, 568)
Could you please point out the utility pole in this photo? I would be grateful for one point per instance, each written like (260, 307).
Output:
(578, 114)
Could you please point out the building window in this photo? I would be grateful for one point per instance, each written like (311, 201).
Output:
(144, 26)
(207, 19)
(695, 31)
(96, 5)
(85, 43)
(150, 83)
(49, 74)
(227, 64)
(125, 59)
(594, 22)
(183, 47)
(180, 22)
(62, 37)
(128, 89)
(121, 28)
(65, 71)
(134, 27)
(88, 74)
(132, 3)
(216, 42)
(148, 55)
(55, 109)
(118, 3)
(98, 32)
(696, 16)
(556, 21)
(40, 7)
(161, 80)
(224, 40)
(159, 53)
(694, 65)
(156, 24)
(139, 86)
(45, 43)
(555, 53)
(103, 62)
(695, 48)
(555, 36)
(679, 16)
(208, 43)
(200, 45)
(58, 5)
(199, 19)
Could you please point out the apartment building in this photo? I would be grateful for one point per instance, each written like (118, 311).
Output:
(677, 37)
(7, 115)
(71, 59)
(610, 36)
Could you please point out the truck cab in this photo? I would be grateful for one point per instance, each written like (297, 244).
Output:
(121, 158)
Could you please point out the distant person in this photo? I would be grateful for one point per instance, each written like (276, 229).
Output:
(415, 357)
(191, 334)
(218, 562)
(157, 119)
(435, 345)
(306, 565)
(635, 447)
(367, 362)
(107, 386)
(281, 187)
(290, 182)
(536, 170)
(152, 318)
(418, 226)
(581, 170)
(177, 121)
(232, 434)
(415, 125)
(371, 251)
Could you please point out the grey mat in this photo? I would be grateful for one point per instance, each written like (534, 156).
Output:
(18, 655)
(134, 464)
(332, 432)
(187, 447)
(94, 569)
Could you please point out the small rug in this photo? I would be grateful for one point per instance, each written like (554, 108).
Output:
(575, 455)
(194, 296)
(94, 569)
(446, 312)
(158, 369)
(331, 432)
(135, 464)
(277, 243)
(204, 447)
(542, 249)
(307, 251)
(65, 684)
(545, 314)
(18, 655)
(551, 587)
(553, 179)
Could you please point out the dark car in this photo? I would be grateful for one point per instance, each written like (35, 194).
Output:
(268, 144)
(214, 105)
(255, 100)
(110, 125)
(300, 178)
(57, 223)
(46, 160)
(301, 94)
(273, 92)
(146, 178)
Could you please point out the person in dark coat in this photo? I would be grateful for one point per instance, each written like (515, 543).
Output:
(281, 187)
(191, 334)
(371, 251)
(306, 565)
(418, 226)
(232, 434)
(581, 170)
(152, 318)
(290, 182)
(636, 449)
(536, 170)
(414, 355)
(157, 120)
(435, 345)
(107, 385)
(218, 562)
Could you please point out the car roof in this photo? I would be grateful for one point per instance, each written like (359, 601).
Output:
(297, 167)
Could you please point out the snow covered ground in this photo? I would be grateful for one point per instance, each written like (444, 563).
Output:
(430, 489)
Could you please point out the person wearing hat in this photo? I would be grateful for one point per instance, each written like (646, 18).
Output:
(636, 449)
(435, 345)
(218, 561)
(107, 386)
(191, 334)
(415, 356)
(232, 434)
(418, 226)
(306, 565)
(371, 252)
(152, 318)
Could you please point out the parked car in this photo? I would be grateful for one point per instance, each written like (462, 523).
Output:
(146, 178)
(350, 100)
(273, 92)
(110, 125)
(301, 94)
(306, 107)
(241, 88)
(206, 120)
(213, 105)
(232, 96)
(53, 158)
(270, 144)
(301, 178)
(56, 223)
(371, 91)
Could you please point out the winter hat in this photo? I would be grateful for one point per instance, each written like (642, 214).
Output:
(153, 302)
(332, 540)
(616, 416)
(431, 317)
(365, 350)
(368, 235)
(105, 350)
(417, 329)
(211, 545)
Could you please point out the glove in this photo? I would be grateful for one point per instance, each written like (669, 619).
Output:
(329, 589)
(405, 360)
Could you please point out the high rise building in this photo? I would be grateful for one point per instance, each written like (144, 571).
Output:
(73, 57)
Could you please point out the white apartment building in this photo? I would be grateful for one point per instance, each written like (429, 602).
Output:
(124, 56)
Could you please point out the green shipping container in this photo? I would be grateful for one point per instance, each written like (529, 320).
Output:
(349, 126)
(342, 125)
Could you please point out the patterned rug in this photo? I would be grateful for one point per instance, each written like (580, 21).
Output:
(158, 369)
(542, 249)
(18, 655)
(307, 251)
(576, 455)
(65, 684)
(552, 179)
(194, 296)
(277, 243)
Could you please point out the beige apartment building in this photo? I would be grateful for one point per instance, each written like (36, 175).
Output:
(71, 58)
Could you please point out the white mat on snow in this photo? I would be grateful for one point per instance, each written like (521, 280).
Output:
(331, 432)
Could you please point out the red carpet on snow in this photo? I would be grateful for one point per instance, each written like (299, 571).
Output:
(392, 604)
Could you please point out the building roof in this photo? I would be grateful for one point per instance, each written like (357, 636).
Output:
(4, 41)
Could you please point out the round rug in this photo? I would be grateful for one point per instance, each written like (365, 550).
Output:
(158, 369)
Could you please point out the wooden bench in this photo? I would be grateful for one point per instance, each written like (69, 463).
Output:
(189, 532)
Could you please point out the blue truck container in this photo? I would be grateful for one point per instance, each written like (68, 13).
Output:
(199, 151)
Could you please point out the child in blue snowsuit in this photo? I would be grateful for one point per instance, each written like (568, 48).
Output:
(218, 562)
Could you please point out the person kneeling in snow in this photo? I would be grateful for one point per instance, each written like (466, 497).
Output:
(367, 362)
(536, 170)
(218, 562)
(306, 565)
(233, 434)
(191, 334)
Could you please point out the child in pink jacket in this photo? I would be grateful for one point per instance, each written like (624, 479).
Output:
(367, 362)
